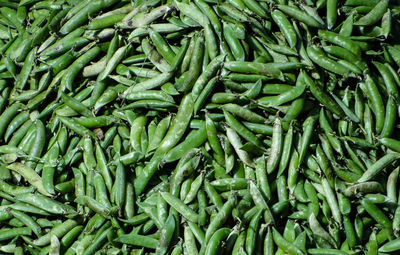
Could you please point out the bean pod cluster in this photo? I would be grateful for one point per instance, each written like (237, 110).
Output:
(199, 127)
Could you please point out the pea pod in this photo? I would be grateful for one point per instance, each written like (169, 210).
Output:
(30, 175)
(285, 26)
(299, 15)
(322, 60)
(379, 165)
(374, 15)
(322, 97)
(45, 203)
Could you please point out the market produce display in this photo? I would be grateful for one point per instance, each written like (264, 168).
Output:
(199, 127)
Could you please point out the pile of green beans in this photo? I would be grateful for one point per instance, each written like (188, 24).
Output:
(199, 127)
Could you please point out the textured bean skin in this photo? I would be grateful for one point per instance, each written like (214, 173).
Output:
(199, 127)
